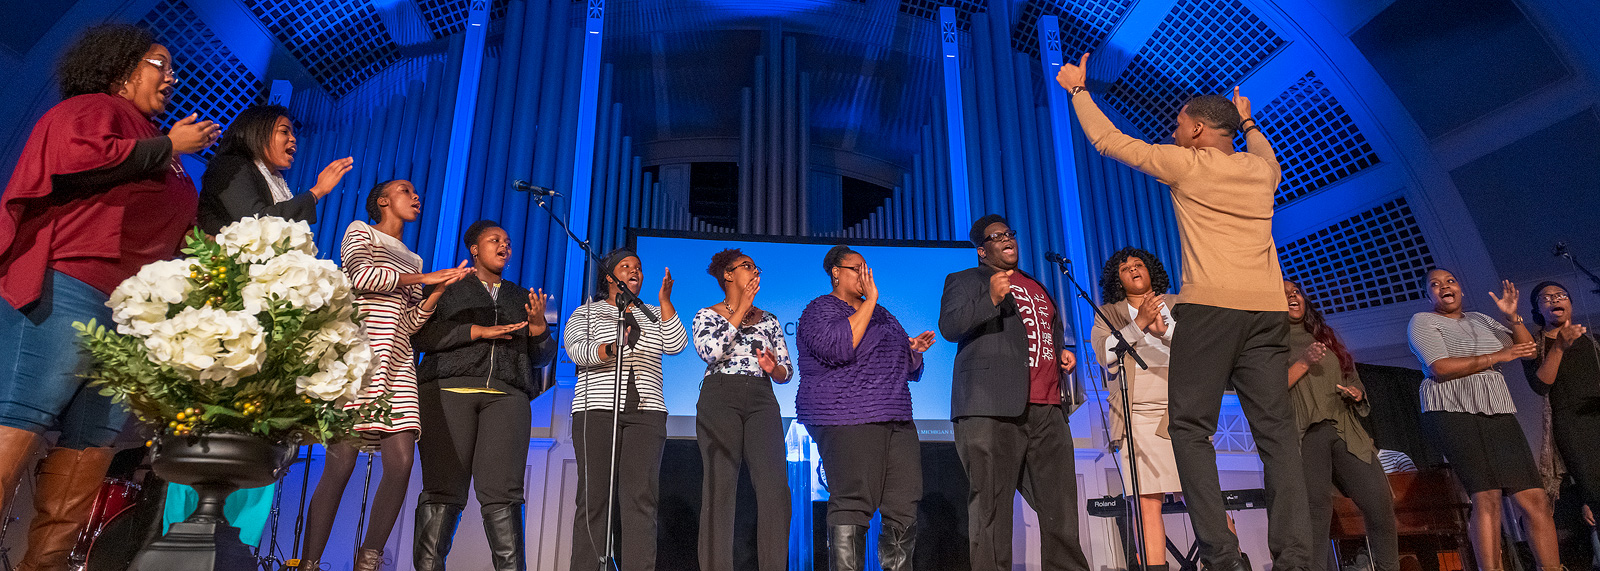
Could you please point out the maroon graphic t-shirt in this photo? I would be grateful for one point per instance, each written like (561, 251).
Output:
(1038, 313)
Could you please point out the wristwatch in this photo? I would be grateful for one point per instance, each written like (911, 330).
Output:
(1076, 89)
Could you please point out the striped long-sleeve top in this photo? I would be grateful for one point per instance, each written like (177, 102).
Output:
(594, 324)
(374, 261)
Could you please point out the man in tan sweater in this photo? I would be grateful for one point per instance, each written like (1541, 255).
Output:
(1234, 316)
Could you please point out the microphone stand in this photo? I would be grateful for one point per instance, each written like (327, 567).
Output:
(1561, 251)
(608, 559)
(1123, 350)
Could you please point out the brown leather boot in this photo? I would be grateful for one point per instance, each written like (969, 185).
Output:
(16, 456)
(368, 560)
(68, 482)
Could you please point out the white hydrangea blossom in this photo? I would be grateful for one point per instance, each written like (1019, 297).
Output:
(296, 277)
(259, 238)
(141, 301)
(211, 344)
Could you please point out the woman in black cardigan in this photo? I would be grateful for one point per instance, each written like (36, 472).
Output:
(483, 343)
(245, 178)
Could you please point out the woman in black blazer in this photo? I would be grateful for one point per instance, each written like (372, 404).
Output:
(245, 178)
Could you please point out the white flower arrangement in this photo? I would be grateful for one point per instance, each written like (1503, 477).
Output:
(250, 332)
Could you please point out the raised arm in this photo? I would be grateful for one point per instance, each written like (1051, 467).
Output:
(1165, 162)
(1255, 142)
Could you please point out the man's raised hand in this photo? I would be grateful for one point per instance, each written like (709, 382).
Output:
(1072, 76)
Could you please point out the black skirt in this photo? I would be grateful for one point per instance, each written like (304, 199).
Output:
(1486, 452)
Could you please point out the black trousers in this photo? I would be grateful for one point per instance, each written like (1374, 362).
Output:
(1575, 432)
(738, 422)
(1213, 346)
(873, 467)
(1328, 463)
(476, 439)
(644, 434)
(1032, 454)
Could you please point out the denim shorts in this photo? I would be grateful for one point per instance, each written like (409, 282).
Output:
(40, 364)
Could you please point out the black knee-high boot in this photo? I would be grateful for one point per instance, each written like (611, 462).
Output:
(896, 546)
(847, 547)
(436, 531)
(503, 526)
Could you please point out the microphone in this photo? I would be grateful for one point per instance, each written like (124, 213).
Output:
(1055, 258)
(1560, 251)
(530, 188)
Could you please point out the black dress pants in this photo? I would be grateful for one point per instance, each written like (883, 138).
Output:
(873, 467)
(738, 422)
(473, 438)
(644, 434)
(1328, 463)
(1213, 346)
(1032, 454)
(1576, 433)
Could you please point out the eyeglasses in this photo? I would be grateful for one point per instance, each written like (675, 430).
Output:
(851, 268)
(750, 266)
(999, 235)
(1553, 297)
(165, 67)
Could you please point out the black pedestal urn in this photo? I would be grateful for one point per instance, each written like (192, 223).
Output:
(214, 464)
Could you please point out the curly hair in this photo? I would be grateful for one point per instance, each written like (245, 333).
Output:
(721, 261)
(470, 238)
(1317, 326)
(101, 58)
(251, 131)
(1111, 282)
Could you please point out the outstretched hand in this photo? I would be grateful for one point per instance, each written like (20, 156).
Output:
(1507, 300)
(922, 342)
(1071, 76)
(537, 301)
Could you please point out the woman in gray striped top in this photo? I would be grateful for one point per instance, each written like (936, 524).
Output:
(1467, 413)
(591, 342)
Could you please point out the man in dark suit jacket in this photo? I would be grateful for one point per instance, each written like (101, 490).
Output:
(1010, 411)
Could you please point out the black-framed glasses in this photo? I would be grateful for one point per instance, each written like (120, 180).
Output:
(749, 266)
(999, 235)
(1554, 297)
(856, 269)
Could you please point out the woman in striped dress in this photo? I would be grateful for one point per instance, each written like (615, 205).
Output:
(388, 280)
(592, 343)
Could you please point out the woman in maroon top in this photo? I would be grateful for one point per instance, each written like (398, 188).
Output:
(97, 193)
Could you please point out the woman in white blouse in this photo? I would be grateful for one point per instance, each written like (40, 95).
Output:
(1132, 287)
(1467, 413)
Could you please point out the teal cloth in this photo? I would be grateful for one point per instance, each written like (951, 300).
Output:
(247, 509)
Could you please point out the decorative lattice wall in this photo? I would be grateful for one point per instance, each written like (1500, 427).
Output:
(930, 9)
(1085, 24)
(445, 17)
(1377, 257)
(1203, 46)
(340, 42)
(211, 81)
(1316, 140)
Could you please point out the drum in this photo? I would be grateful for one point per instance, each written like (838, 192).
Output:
(115, 496)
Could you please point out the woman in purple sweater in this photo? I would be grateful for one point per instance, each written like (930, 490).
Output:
(855, 363)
